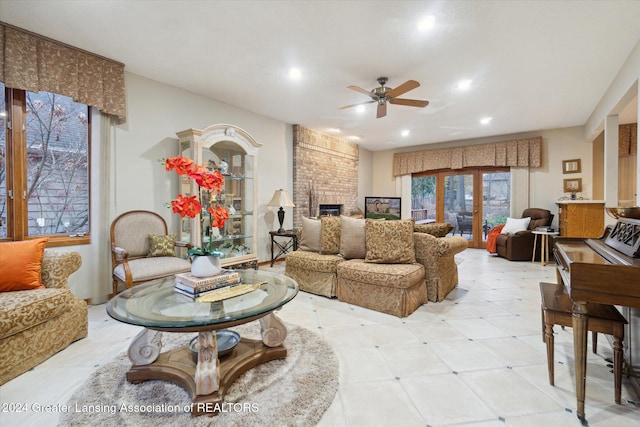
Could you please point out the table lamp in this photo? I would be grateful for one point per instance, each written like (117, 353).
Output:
(281, 198)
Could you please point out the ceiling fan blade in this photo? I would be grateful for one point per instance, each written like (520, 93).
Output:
(403, 88)
(355, 105)
(409, 102)
(363, 91)
(382, 110)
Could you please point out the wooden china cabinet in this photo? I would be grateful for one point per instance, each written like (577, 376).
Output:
(233, 152)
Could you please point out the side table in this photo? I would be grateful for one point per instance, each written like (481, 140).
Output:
(544, 249)
(283, 247)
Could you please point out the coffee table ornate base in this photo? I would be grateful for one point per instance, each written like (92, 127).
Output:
(204, 374)
(178, 367)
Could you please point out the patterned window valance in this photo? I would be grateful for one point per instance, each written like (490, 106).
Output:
(35, 63)
(517, 153)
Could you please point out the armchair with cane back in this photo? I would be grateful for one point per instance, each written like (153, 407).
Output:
(142, 250)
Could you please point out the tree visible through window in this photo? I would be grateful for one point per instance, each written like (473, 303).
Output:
(51, 158)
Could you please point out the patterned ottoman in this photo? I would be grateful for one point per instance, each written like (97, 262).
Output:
(397, 289)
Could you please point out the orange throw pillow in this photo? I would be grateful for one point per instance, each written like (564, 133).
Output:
(20, 264)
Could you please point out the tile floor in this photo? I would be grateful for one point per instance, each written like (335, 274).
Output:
(476, 359)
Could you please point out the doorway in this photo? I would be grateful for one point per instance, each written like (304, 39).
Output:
(472, 200)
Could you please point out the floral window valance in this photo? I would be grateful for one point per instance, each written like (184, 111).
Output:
(516, 153)
(35, 63)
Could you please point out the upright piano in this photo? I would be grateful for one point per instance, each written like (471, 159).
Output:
(604, 270)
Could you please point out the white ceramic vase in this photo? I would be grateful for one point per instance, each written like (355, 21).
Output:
(204, 266)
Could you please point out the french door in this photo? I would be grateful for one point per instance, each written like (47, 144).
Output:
(473, 200)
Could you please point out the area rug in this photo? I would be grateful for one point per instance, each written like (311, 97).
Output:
(294, 391)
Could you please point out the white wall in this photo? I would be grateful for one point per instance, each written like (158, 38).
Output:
(365, 176)
(155, 112)
(545, 182)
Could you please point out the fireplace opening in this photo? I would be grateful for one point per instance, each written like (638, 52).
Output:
(331, 210)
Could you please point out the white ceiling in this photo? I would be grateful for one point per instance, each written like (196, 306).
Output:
(534, 64)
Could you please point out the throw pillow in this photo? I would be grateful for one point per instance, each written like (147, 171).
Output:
(20, 263)
(352, 237)
(330, 236)
(435, 229)
(514, 225)
(162, 245)
(310, 235)
(390, 242)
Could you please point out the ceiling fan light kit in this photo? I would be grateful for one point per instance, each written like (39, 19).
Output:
(384, 94)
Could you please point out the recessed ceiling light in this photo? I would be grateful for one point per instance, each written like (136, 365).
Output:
(354, 138)
(295, 73)
(486, 120)
(464, 84)
(334, 130)
(426, 23)
(405, 132)
(360, 109)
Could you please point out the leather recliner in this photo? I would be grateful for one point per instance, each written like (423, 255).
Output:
(519, 246)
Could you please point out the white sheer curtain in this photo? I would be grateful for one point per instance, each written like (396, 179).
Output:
(520, 190)
(102, 210)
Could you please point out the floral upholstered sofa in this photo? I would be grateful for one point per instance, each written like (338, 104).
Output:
(388, 266)
(37, 323)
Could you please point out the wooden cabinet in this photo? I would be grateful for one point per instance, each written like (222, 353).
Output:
(233, 152)
(581, 218)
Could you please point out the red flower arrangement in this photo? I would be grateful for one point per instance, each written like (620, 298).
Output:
(191, 206)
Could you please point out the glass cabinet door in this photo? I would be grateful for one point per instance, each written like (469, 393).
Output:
(233, 152)
(236, 166)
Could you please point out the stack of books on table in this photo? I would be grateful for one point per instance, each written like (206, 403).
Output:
(195, 287)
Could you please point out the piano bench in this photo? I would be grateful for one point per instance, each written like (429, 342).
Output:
(602, 318)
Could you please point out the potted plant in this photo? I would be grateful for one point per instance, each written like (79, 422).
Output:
(206, 258)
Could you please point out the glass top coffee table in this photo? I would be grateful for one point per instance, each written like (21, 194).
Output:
(158, 308)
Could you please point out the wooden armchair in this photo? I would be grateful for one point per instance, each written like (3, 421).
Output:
(141, 249)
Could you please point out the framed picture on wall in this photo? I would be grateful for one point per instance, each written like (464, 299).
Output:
(382, 207)
(571, 166)
(573, 185)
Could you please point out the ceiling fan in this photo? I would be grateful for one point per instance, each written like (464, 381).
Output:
(384, 94)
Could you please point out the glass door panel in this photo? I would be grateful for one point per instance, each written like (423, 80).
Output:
(458, 203)
(496, 199)
(423, 199)
(473, 201)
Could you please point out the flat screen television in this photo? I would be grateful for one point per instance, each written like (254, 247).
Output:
(382, 207)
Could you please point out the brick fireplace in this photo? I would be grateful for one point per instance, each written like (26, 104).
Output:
(325, 172)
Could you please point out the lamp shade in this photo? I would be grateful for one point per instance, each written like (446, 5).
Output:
(281, 198)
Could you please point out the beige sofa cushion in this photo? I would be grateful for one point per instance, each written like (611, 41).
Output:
(21, 310)
(390, 242)
(330, 236)
(310, 235)
(313, 261)
(393, 276)
(440, 229)
(352, 237)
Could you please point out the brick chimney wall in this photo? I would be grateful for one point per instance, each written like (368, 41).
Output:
(325, 171)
